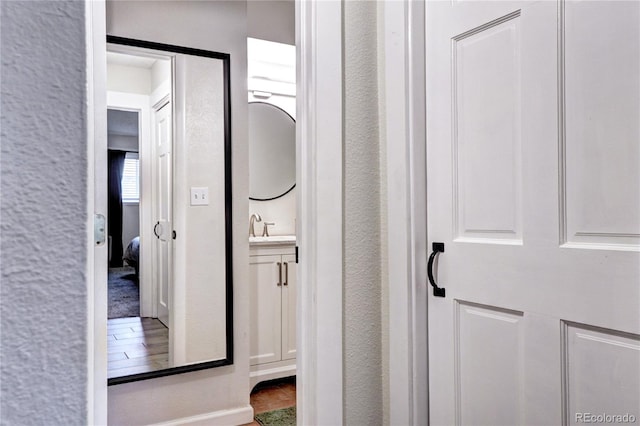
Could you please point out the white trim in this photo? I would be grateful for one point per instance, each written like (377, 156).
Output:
(416, 91)
(95, 21)
(260, 373)
(407, 227)
(319, 209)
(141, 104)
(162, 95)
(234, 416)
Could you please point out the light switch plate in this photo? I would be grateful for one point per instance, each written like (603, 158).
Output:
(199, 196)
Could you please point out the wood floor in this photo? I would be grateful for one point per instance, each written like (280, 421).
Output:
(273, 395)
(136, 345)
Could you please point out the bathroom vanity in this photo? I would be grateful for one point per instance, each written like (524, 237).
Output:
(272, 261)
(272, 280)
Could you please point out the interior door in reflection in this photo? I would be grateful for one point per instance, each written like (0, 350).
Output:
(164, 226)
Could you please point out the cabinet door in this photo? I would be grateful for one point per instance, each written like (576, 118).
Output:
(289, 307)
(266, 309)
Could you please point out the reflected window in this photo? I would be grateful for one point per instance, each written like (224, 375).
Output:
(131, 178)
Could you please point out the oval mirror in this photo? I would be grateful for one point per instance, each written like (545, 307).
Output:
(272, 152)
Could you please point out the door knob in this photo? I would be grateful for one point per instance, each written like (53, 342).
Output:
(155, 229)
(437, 248)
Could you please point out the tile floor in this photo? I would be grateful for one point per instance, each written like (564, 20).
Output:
(273, 395)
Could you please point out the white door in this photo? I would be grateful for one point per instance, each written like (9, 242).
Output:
(163, 227)
(289, 306)
(533, 186)
(265, 279)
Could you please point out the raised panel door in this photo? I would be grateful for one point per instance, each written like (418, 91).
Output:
(163, 182)
(533, 161)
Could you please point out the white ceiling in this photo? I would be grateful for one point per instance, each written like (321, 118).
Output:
(130, 60)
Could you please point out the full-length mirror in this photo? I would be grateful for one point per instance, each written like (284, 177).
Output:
(169, 215)
(272, 151)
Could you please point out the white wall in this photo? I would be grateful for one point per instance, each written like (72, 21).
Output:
(130, 223)
(200, 278)
(43, 214)
(272, 20)
(218, 26)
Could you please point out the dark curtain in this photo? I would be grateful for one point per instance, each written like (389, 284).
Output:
(116, 166)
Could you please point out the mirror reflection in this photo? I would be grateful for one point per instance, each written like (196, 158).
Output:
(272, 151)
(165, 318)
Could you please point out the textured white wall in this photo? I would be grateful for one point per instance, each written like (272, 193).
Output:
(218, 26)
(200, 277)
(384, 219)
(43, 296)
(363, 396)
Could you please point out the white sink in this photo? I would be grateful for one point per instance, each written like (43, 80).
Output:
(273, 239)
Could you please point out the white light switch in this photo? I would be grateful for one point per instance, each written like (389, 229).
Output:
(199, 196)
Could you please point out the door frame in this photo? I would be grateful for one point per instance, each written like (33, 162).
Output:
(319, 228)
(319, 129)
(319, 174)
(320, 356)
(140, 104)
(404, 80)
(97, 255)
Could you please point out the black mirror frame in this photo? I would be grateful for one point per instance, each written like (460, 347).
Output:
(228, 360)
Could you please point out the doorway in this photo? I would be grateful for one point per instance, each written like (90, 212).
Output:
(124, 213)
(322, 118)
(139, 192)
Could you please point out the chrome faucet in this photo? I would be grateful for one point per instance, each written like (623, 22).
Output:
(254, 218)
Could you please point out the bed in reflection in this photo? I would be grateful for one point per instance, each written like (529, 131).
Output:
(132, 254)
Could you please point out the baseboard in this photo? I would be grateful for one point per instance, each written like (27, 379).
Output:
(261, 373)
(236, 416)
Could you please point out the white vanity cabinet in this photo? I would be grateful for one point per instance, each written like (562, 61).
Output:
(272, 281)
